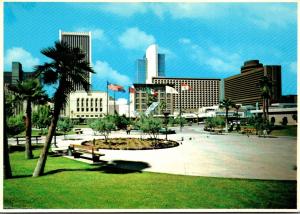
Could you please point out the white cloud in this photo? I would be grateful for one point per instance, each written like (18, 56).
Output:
(134, 38)
(214, 57)
(126, 10)
(185, 41)
(121, 101)
(293, 67)
(105, 72)
(260, 14)
(272, 15)
(19, 54)
(97, 33)
(168, 53)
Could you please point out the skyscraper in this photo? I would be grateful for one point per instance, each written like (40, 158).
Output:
(244, 88)
(80, 40)
(152, 65)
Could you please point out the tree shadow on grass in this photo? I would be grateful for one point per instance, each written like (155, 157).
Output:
(114, 167)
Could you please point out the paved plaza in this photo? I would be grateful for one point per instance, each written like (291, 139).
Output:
(204, 154)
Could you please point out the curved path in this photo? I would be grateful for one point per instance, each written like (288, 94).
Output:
(202, 154)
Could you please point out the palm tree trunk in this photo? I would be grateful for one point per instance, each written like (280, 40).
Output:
(28, 148)
(267, 108)
(226, 120)
(264, 108)
(6, 161)
(39, 169)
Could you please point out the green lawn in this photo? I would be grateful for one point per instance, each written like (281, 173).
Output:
(285, 131)
(71, 184)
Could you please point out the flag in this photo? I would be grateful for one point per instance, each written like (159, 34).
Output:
(171, 90)
(185, 87)
(151, 91)
(131, 89)
(115, 87)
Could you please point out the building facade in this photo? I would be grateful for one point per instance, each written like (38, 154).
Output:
(244, 88)
(80, 40)
(87, 105)
(142, 99)
(204, 92)
(152, 65)
(12, 78)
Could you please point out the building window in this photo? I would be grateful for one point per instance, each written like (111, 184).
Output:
(96, 102)
(92, 109)
(87, 115)
(92, 102)
(100, 109)
(77, 116)
(78, 109)
(96, 109)
(82, 102)
(77, 103)
(86, 109)
(82, 109)
(100, 102)
(87, 102)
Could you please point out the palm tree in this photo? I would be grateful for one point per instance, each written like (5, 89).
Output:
(237, 107)
(265, 88)
(31, 91)
(226, 103)
(6, 162)
(67, 69)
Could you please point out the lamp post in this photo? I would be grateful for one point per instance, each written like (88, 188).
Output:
(166, 114)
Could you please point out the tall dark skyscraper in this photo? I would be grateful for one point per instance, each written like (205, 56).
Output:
(80, 40)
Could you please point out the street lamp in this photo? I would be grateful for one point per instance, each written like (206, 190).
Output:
(166, 114)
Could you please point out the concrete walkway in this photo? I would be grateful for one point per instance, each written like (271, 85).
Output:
(202, 154)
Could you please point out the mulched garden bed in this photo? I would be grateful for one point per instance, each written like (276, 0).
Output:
(131, 144)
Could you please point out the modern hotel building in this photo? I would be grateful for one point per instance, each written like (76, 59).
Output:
(244, 88)
(204, 92)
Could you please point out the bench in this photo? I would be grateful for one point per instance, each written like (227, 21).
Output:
(23, 138)
(78, 131)
(77, 150)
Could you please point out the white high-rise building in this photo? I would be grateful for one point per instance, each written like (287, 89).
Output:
(152, 63)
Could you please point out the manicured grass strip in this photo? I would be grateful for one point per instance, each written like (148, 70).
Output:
(286, 131)
(71, 184)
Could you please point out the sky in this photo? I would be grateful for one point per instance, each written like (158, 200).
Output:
(200, 40)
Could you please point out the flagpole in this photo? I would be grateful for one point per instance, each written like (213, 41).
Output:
(180, 108)
(107, 97)
(114, 102)
(129, 103)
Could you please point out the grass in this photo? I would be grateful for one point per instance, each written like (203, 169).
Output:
(285, 131)
(72, 184)
(39, 132)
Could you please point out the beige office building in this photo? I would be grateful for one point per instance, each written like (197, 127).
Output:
(87, 105)
(204, 92)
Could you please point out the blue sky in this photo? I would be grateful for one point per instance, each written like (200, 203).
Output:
(209, 40)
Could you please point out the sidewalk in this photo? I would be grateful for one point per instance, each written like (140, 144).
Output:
(231, 156)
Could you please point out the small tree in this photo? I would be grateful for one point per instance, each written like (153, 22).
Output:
(150, 126)
(284, 121)
(294, 116)
(15, 125)
(42, 117)
(210, 123)
(104, 126)
(65, 125)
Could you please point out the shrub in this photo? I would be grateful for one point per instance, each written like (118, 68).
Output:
(15, 125)
(284, 121)
(104, 126)
(65, 125)
(150, 125)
